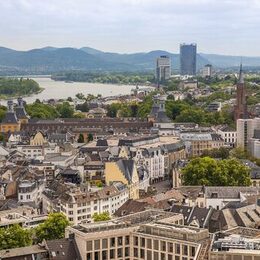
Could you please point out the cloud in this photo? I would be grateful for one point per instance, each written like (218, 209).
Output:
(228, 26)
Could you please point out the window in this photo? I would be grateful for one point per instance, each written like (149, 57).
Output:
(149, 243)
(126, 251)
(89, 246)
(177, 248)
(104, 243)
(185, 250)
(112, 253)
(136, 241)
(119, 252)
(127, 240)
(112, 242)
(142, 253)
(170, 247)
(163, 246)
(142, 242)
(156, 245)
(135, 252)
(97, 244)
(119, 241)
(104, 255)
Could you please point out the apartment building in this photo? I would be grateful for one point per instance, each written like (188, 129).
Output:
(150, 234)
(198, 142)
(228, 134)
(24, 216)
(79, 205)
(31, 191)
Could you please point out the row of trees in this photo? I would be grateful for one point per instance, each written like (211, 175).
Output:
(113, 78)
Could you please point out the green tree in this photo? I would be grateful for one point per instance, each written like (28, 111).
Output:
(90, 137)
(65, 110)
(15, 236)
(39, 110)
(69, 99)
(211, 172)
(101, 217)
(113, 109)
(81, 138)
(52, 228)
(80, 96)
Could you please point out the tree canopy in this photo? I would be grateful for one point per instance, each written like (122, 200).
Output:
(52, 228)
(15, 236)
(101, 217)
(210, 172)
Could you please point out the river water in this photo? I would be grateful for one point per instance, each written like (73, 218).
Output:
(63, 90)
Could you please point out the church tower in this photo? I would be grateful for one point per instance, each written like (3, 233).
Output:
(241, 106)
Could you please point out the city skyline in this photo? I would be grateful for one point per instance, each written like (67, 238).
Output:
(133, 26)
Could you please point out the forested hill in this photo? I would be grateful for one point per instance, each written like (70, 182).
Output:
(50, 59)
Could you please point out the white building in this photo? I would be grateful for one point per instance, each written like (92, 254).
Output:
(229, 135)
(80, 206)
(37, 151)
(31, 191)
(245, 131)
(207, 70)
(163, 68)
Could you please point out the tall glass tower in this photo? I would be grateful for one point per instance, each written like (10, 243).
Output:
(188, 57)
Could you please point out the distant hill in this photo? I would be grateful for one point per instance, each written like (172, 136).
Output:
(50, 59)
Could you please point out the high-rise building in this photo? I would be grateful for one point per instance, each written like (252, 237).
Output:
(207, 70)
(241, 106)
(188, 57)
(163, 68)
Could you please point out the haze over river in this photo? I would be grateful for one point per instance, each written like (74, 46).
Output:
(63, 90)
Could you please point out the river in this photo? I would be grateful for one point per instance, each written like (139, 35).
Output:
(63, 90)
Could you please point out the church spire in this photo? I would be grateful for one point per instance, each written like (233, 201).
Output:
(241, 76)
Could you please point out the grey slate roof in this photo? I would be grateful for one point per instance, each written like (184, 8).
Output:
(21, 113)
(127, 168)
(10, 117)
(229, 192)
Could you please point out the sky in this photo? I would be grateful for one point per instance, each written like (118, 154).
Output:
(229, 27)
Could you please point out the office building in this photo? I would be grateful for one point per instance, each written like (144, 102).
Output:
(163, 68)
(188, 57)
(150, 234)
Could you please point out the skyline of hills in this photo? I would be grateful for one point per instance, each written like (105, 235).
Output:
(51, 59)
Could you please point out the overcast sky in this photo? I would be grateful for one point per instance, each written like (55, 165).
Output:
(217, 26)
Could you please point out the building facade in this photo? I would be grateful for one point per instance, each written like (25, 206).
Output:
(163, 68)
(188, 59)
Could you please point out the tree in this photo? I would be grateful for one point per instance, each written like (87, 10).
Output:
(39, 110)
(90, 137)
(80, 96)
(101, 217)
(15, 236)
(211, 172)
(65, 110)
(222, 153)
(69, 99)
(81, 138)
(52, 228)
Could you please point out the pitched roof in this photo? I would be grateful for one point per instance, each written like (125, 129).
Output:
(63, 249)
(10, 118)
(131, 206)
(127, 168)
